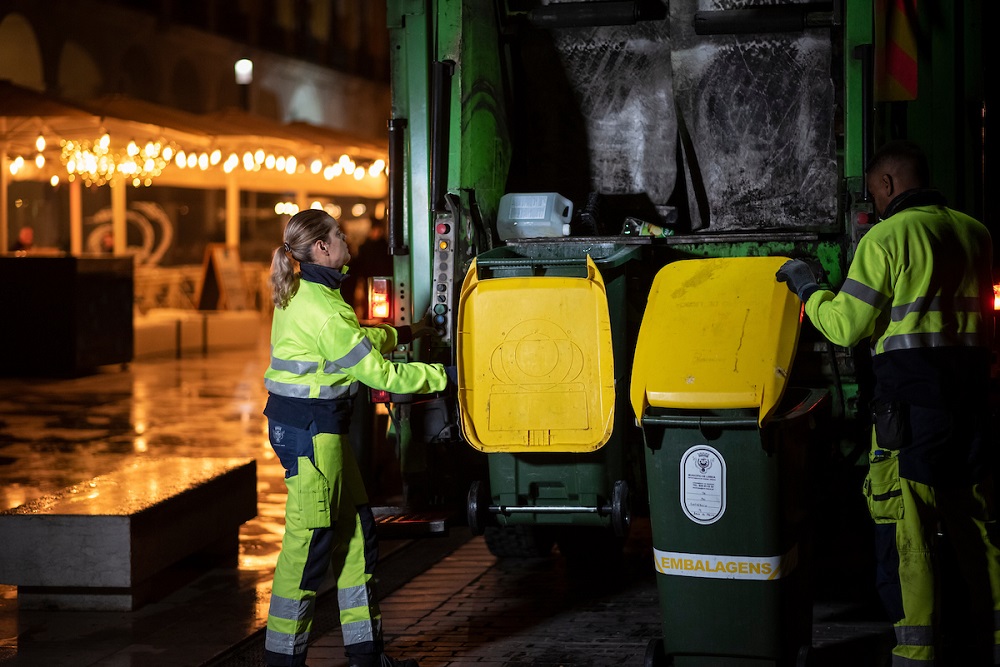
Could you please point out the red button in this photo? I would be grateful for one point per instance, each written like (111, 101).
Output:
(442, 228)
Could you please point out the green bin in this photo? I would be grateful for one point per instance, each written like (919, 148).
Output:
(727, 453)
(543, 354)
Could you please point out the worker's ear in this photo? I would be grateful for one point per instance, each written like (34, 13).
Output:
(883, 184)
(888, 183)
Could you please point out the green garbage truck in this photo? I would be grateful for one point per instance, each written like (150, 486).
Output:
(627, 136)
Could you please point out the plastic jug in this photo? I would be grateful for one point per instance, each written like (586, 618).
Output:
(534, 215)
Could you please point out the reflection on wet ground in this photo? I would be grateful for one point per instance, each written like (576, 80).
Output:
(58, 432)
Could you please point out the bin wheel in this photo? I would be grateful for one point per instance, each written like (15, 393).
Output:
(477, 507)
(655, 655)
(621, 508)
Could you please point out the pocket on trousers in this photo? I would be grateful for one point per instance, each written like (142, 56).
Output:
(883, 492)
(313, 495)
(892, 424)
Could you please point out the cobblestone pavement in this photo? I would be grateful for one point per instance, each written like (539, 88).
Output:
(475, 609)
(470, 608)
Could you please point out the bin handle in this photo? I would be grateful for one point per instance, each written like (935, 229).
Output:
(812, 398)
(527, 262)
(689, 421)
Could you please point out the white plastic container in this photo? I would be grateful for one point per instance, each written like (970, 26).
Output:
(533, 215)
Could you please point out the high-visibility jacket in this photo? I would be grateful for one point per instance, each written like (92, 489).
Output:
(319, 351)
(920, 287)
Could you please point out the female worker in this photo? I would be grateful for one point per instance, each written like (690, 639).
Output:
(319, 356)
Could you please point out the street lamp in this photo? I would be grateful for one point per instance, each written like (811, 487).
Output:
(244, 77)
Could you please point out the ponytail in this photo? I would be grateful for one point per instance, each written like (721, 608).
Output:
(303, 229)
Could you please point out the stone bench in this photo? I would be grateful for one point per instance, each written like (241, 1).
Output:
(116, 541)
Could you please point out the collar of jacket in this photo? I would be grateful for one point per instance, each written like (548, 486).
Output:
(323, 275)
(912, 198)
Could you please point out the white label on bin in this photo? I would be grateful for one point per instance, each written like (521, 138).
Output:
(703, 484)
(714, 566)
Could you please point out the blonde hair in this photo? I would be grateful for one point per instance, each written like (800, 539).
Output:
(302, 231)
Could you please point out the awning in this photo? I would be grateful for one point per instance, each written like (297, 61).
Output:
(141, 143)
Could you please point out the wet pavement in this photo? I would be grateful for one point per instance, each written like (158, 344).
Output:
(55, 433)
(446, 600)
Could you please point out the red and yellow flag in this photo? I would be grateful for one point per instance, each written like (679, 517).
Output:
(896, 50)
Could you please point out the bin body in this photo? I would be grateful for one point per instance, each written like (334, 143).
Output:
(729, 514)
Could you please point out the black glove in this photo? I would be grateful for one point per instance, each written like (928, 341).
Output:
(799, 278)
(452, 373)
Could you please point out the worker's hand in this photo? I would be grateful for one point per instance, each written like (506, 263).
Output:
(452, 373)
(423, 327)
(799, 277)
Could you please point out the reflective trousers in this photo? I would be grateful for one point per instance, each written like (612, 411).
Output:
(908, 516)
(329, 527)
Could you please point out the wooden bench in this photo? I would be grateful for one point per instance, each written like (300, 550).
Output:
(118, 540)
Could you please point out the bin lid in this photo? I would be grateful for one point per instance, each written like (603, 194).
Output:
(535, 362)
(717, 333)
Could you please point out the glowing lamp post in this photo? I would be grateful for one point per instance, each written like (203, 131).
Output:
(244, 77)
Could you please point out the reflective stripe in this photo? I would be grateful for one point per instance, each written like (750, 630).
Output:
(283, 389)
(291, 610)
(355, 596)
(926, 304)
(302, 390)
(284, 643)
(914, 635)
(288, 608)
(361, 631)
(297, 367)
(864, 293)
(914, 341)
(359, 352)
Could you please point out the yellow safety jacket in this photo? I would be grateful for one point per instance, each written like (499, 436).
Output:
(320, 352)
(920, 287)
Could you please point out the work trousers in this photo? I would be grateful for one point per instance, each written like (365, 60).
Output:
(908, 516)
(329, 527)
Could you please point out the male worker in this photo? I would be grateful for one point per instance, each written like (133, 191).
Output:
(920, 289)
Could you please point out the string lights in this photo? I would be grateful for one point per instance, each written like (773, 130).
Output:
(97, 162)
(102, 161)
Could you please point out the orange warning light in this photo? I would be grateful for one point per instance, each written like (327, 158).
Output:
(379, 294)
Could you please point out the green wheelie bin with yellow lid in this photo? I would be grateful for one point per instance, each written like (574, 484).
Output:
(727, 450)
(543, 352)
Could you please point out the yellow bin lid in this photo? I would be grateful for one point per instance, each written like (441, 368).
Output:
(716, 334)
(535, 363)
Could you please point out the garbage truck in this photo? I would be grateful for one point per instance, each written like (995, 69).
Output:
(547, 159)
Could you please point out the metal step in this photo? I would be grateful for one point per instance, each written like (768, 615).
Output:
(401, 523)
